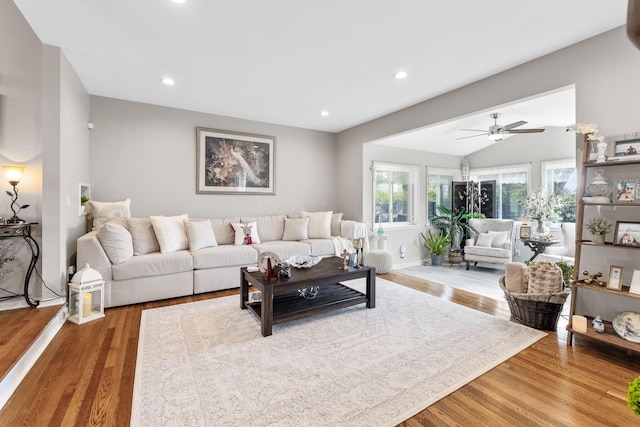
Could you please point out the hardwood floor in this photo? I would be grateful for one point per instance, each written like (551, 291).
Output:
(85, 376)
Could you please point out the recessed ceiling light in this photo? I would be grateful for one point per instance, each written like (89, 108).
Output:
(400, 75)
(179, 1)
(324, 113)
(168, 81)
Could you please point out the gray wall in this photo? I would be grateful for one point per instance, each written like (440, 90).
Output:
(605, 72)
(148, 153)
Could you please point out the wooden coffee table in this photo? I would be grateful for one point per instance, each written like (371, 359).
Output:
(281, 301)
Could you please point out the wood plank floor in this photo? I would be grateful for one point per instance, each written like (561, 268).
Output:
(85, 377)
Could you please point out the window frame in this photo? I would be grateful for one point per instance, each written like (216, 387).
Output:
(414, 188)
(474, 174)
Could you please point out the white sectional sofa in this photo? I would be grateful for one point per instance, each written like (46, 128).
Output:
(146, 259)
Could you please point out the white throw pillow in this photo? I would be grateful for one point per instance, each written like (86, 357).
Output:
(200, 234)
(296, 229)
(319, 224)
(499, 238)
(102, 212)
(144, 239)
(116, 241)
(251, 229)
(170, 232)
(484, 240)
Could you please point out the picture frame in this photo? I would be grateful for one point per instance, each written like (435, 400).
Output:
(614, 281)
(635, 283)
(627, 233)
(627, 148)
(626, 191)
(234, 163)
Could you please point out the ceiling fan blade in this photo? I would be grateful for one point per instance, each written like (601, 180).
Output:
(514, 125)
(476, 130)
(523, 131)
(472, 136)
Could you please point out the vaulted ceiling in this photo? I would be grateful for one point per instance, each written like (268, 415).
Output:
(286, 61)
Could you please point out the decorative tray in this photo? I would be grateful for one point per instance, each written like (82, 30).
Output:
(303, 261)
(627, 325)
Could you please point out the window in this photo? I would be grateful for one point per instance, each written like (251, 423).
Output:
(559, 178)
(439, 184)
(394, 193)
(511, 187)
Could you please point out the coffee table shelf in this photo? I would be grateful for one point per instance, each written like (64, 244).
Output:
(292, 306)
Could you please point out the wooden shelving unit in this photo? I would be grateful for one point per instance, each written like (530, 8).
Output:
(579, 289)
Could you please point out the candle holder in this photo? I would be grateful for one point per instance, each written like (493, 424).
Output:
(86, 296)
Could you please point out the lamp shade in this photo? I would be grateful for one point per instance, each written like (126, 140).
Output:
(13, 173)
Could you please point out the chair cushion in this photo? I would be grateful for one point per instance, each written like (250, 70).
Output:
(484, 240)
(499, 238)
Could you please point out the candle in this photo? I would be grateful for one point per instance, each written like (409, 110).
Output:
(86, 305)
(579, 323)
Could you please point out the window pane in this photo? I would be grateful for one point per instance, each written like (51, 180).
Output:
(392, 196)
(400, 197)
(383, 196)
(511, 187)
(562, 182)
(438, 193)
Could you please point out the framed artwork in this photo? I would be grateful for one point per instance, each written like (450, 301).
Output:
(615, 278)
(627, 148)
(626, 191)
(525, 231)
(635, 282)
(234, 163)
(627, 234)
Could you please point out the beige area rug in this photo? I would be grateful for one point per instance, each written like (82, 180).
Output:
(206, 364)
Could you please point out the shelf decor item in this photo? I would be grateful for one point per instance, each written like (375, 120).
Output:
(599, 190)
(627, 191)
(615, 278)
(627, 234)
(627, 325)
(590, 130)
(598, 227)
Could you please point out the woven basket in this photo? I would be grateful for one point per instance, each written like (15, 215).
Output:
(542, 315)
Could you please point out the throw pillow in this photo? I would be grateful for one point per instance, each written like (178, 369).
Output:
(102, 212)
(484, 240)
(319, 224)
(336, 219)
(144, 239)
(544, 278)
(116, 241)
(514, 277)
(246, 234)
(296, 229)
(499, 238)
(223, 231)
(170, 232)
(200, 234)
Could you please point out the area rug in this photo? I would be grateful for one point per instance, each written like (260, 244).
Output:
(206, 364)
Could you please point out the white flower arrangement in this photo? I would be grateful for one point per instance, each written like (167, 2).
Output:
(543, 206)
(587, 128)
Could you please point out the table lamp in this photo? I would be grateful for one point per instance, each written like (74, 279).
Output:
(14, 174)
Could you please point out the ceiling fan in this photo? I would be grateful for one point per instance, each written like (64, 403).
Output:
(496, 132)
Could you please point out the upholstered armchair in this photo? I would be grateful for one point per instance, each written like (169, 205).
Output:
(492, 243)
(567, 251)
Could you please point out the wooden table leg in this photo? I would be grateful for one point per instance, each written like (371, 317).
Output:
(244, 290)
(371, 288)
(266, 313)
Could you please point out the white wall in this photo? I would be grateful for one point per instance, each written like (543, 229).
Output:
(148, 153)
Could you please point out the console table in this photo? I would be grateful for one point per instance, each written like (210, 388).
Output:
(538, 246)
(23, 230)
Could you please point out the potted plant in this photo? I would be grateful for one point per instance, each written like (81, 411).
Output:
(456, 224)
(598, 226)
(567, 272)
(633, 396)
(436, 244)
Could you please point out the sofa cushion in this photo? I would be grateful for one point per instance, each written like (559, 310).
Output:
(224, 256)
(336, 219)
(321, 247)
(224, 232)
(319, 224)
(170, 232)
(102, 212)
(116, 241)
(245, 229)
(200, 234)
(283, 249)
(270, 227)
(296, 229)
(144, 238)
(154, 264)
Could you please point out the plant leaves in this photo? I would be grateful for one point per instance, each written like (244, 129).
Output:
(9, 193)
(24, 206)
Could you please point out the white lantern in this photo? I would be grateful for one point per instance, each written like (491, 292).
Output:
(86, 296)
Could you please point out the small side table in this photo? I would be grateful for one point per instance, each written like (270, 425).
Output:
(538, 246)
(23, 230)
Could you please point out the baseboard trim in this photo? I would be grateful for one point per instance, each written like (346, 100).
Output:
(14, 377)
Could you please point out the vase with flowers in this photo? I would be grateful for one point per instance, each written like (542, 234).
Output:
(542, 206)
(597, 152)
(598, 226)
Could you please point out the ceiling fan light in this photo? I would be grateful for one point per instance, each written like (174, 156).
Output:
(495, 136)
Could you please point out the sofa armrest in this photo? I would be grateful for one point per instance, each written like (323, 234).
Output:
(90, 252)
